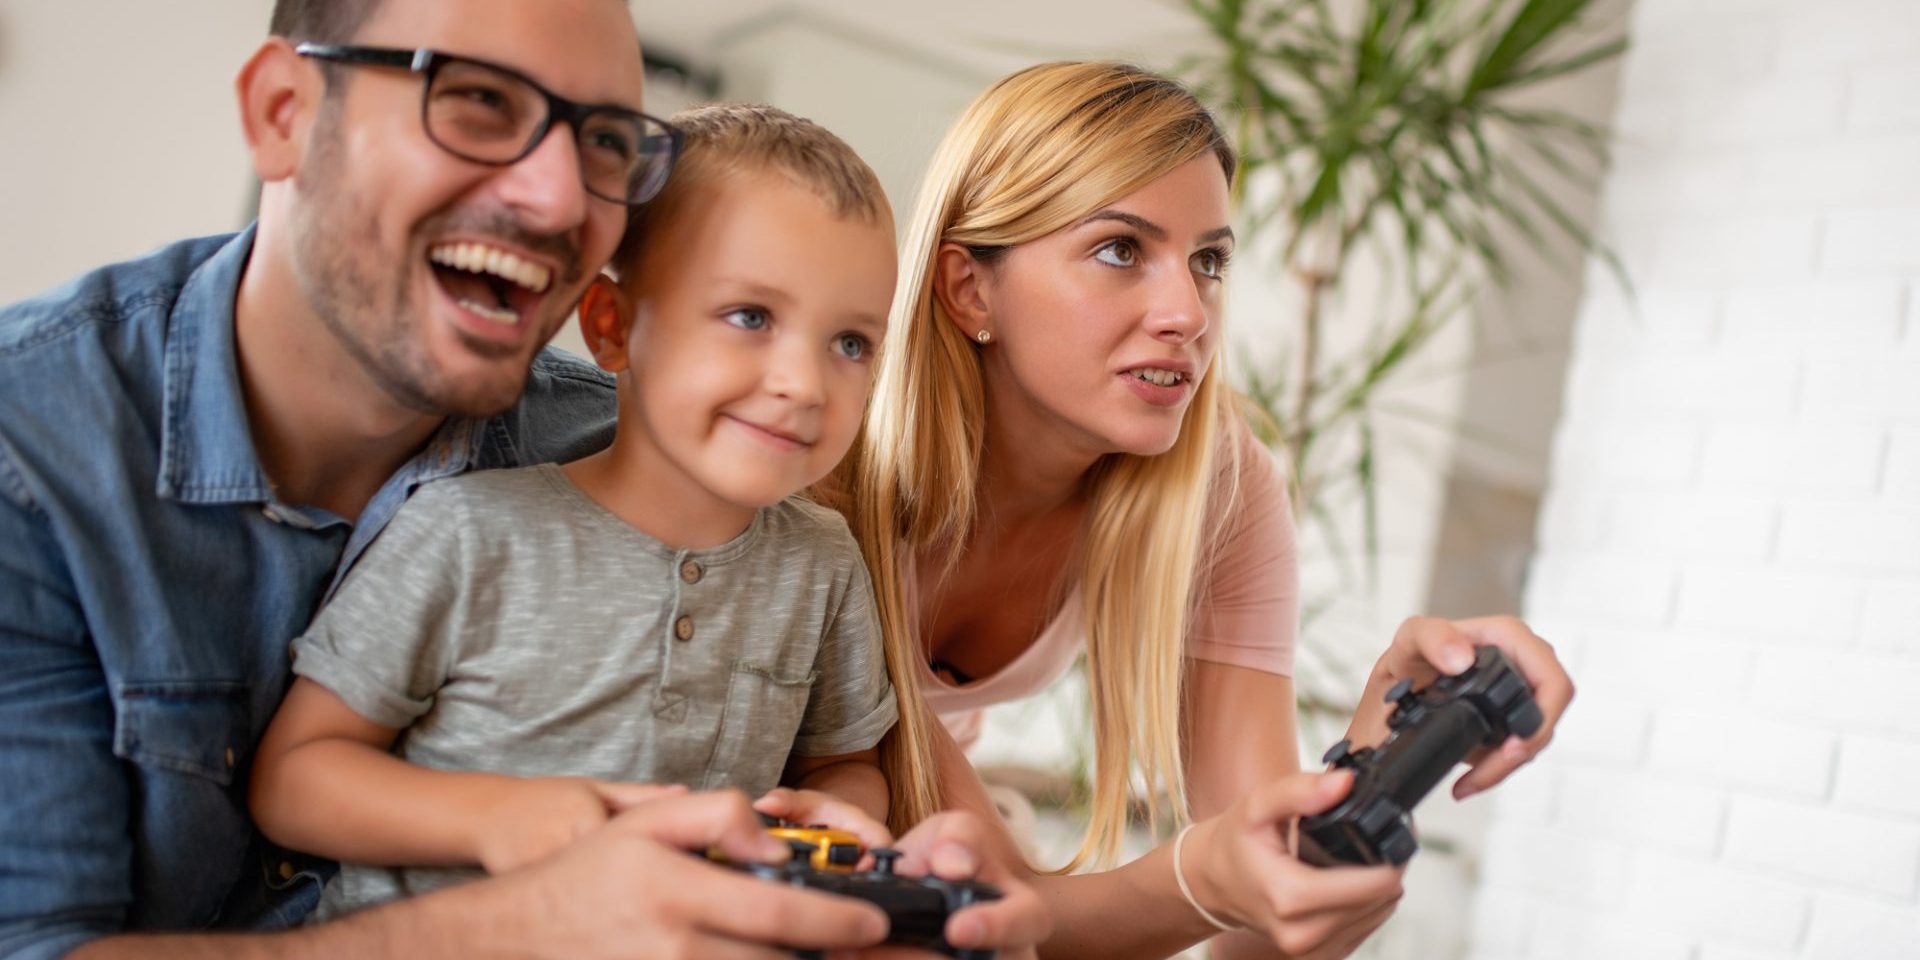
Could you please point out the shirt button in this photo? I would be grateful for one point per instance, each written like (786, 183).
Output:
(286, 870)
(683, 628)
(229, 756)
(690, 571)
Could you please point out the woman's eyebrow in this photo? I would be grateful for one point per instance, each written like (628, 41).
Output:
(1135, 221)
(1148, 227)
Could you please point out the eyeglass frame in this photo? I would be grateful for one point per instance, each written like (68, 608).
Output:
(427, 62)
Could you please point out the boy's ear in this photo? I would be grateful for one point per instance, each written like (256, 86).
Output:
(279, 96)
(604, 314)
(959, 282)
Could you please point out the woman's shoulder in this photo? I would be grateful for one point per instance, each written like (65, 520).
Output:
(1250, 484)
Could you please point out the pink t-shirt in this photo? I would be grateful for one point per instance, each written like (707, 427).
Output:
(1248, 612)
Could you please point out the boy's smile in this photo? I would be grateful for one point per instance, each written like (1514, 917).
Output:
(758, 315)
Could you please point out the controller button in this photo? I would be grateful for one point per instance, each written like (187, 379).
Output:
(1400, 691)
(1399, 846)
(1340, 754)
(883, 858)
(1377, 817)
(1505, 689)
(843, 854)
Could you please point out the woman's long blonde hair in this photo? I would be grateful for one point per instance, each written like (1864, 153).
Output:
(1035, 153)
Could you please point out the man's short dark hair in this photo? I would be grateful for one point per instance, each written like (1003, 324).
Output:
(320, 21)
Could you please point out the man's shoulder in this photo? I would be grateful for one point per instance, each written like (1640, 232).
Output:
(115, 294)
(565, 413)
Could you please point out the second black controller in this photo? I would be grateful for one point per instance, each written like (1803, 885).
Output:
(1432, 730)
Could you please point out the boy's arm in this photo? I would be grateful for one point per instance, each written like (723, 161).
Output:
(853, 777)
(324, 782)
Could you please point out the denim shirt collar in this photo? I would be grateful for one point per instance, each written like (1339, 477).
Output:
(206, 449)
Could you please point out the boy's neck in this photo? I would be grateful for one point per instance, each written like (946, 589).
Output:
(655, 499)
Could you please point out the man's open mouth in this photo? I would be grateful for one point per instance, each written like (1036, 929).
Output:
(494, 284)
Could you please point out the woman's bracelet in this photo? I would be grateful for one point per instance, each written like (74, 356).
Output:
(1180, 877)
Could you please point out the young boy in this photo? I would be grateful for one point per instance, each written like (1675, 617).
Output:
(522, 649)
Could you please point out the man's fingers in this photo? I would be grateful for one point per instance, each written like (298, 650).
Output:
(698, 821)
(625, 796)
(1297, 795)
(745, 908)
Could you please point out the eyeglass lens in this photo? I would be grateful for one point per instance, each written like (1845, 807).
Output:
(492, 117)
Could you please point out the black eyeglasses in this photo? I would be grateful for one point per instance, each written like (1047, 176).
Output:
(490, 114)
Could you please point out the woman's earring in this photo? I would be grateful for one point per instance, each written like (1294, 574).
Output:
(984, 337)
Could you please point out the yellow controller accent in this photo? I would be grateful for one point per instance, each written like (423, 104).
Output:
(835, 850)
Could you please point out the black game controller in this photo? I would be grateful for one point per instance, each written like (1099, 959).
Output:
(1433, 729)
(917, 908)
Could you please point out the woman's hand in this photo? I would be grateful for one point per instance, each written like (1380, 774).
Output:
(1243, 869)
(952, 845)
(1425, 647)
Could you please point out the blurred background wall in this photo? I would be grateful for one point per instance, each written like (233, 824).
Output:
(1730, 551)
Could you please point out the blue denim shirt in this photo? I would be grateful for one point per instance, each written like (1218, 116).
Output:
(149, 586)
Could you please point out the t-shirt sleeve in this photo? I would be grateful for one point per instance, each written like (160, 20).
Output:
(851, 705)
(1248, 614)
(383, 643)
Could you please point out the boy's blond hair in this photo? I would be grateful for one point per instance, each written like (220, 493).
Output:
(724, 139)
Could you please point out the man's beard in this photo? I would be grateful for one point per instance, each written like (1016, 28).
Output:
(360, 291)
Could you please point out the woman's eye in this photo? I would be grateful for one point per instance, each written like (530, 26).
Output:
(1119, 253)
(747, 318)
(852, 346)
(1210, 263)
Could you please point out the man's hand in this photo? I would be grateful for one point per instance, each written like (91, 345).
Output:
(527, 821)
(638, 887)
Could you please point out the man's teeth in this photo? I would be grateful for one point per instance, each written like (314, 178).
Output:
(505, 318)
(480, 258)
(1164, 378)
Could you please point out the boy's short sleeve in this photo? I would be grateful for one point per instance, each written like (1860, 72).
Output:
(383, 643)
(852, 704)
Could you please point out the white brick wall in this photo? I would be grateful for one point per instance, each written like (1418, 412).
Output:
(1731, 542)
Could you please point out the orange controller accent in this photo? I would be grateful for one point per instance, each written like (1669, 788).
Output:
(824, 847)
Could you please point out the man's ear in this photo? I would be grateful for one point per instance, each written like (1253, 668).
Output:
(960, 284)
(606, 313)
(280, 94)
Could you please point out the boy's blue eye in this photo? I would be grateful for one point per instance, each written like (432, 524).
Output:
(852, 346)
(747, 318)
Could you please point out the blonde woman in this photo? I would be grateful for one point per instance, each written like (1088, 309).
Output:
(1052, 464)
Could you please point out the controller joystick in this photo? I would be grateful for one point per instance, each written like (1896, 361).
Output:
(1432, 730)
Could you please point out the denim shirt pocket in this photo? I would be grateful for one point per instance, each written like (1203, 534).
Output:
(186, 742)
(762, 716)
(197, 727)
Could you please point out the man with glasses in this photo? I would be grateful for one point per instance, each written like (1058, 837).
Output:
(196, 445)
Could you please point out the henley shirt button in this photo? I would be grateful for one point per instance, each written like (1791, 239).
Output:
(683, 628)
(690, 571)
(286, 870)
